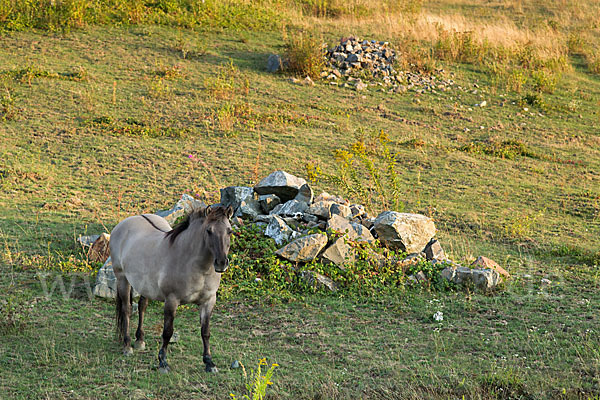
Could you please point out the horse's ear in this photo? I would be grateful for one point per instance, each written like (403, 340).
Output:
(229, 212)
(205, 211)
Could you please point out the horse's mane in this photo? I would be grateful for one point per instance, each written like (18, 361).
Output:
(209, 213)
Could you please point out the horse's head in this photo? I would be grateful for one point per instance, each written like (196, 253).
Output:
(217, 234)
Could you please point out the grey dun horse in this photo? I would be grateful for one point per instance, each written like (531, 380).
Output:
(178, 266)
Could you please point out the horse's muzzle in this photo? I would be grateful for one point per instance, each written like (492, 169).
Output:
(221, 265)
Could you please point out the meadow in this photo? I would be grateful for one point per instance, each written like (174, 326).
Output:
(111, 108)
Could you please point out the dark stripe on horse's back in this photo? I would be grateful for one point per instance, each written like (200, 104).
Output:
(180, 227)
(152, 223)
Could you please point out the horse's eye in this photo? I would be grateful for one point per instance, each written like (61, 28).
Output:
(210, 232)
(229, 231)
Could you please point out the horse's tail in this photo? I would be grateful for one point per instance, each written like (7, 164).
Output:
(124, 290)
(119, 316)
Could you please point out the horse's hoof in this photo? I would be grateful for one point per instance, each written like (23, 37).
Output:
(139, 345)
(212, 370)
(164, 370)
(127, 351)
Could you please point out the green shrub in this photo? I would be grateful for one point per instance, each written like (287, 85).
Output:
(305, 55)
(508, 149)
(369, 156)
(544, 80)
(257, 384)
(15, 314)
(592, 59)
(8, 110)
(255, 269)
(535, 100)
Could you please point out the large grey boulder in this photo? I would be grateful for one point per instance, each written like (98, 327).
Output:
(249, 208)
(305, 194)
(321, 209)
(342, 225)
(279, 230)
(338, 253)
(486, 279)
(303, 249)
(362, 232)
(434, 251)
(341, 210)
(404, 231)
(282, 184)
(481, 278)
(291, 208)
(234, 196)
(274, 63)
(106, 281)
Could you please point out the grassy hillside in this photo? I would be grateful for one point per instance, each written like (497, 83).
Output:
(103, 115)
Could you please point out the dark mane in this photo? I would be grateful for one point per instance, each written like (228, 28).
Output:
(182, 226)
(216, 213)
(211, 214)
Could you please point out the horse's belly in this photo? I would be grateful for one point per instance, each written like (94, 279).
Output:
(145, 285)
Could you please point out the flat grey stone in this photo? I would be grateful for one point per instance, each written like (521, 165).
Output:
(303, 249)
(282, 184)
(404, 231)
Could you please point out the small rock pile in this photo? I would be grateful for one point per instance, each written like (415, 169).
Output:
(353, 55)
(288, 212)
(362, 63)
(356, 59)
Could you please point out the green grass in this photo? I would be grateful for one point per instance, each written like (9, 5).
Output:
(99, 124)
(326, 347)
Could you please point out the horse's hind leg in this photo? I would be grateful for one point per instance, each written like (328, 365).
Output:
(171, 304)
(139, 334)
(123, 313)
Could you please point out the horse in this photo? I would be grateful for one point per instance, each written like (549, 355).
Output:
(182, 265)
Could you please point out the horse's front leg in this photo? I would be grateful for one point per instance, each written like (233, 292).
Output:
(171, 304)
(205, 313)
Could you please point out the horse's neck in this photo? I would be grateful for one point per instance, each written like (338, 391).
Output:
(191, 247)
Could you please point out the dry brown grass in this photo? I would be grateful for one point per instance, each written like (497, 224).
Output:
(543, 28)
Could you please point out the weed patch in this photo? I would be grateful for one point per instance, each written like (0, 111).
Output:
(133, 127)
(305, 55)
(30, 73)
(15, 314)
(507, 149)
(369, 156)
(506, 384)
(522, 226)
(168, 72)
(8, 110)
(226, 83)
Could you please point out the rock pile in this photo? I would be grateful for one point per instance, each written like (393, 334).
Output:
(362, 63)
(353, 54)
(355, 59)
(288, 212)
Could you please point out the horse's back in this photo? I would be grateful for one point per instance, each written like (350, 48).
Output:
(135, 233)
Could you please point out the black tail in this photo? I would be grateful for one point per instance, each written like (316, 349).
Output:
(120, 313)
(119, 316)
